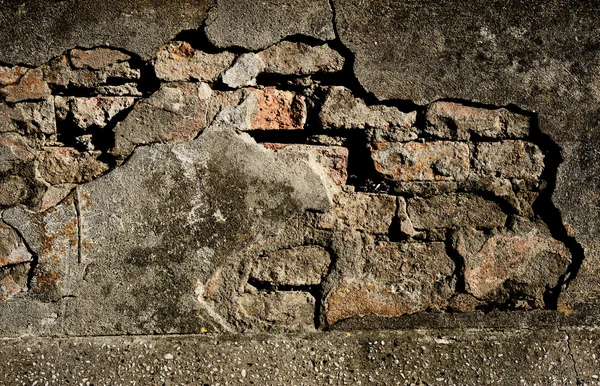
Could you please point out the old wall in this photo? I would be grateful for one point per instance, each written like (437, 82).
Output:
(288, 170)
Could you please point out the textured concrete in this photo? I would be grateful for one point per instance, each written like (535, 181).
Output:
(258, 24)
(33, 31)
(421, 357)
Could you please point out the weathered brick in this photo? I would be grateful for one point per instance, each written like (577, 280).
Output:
(59, 165)
(31, 86)
(367, 212)
(295, 58)
(422, 161)
(341, 110)
(178, 61)
(458, 209)
(401, 278)
(13, 280)
(507, 264)
(306, 265)
(291, 310)
(12, 249)
(450, 120)
(11, 75)
(510, 159)
(14, 151)
(334, 159)
(96, 58)
(277, 110)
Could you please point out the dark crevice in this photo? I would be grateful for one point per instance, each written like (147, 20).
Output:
(77, 204)
(459, 265)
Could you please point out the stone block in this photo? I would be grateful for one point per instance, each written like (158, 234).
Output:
(31, 86)
(96, 58)
(510, 159)
(94, 111)
(299, 266)
(244, 71)
(455, 209)
(368, 212)
(12, 249)
(60, 165)
(449, 120)
(289, 310)
(341, 110)
(422, 161)
(511, 266)
(11, 75)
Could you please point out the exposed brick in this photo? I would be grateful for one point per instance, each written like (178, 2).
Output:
(426, 161)
(278, 110)
(458, 209)
(293, 310)
(402, 278)
(450, 120)
(178, 61)
(306, 265)
(59, 165)
(96, 58)
(510, 159)
(367, 212)
(295, 58)
(341, 110)
(507, 264)
(14, 152)
(31, 86)
(13, 280)
(11, 75)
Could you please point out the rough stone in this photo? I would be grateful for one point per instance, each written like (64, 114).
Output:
(405, 225)
(422, 161)
(12, 281)
(367, 212)
(508, 266)
(179, 61)
(244, 71)
(11, 75)
(299, 266)
(454, 121)
(54, 237)
(341, 110)
(280, 310)
(13, 190)
(260, 24)
(37, 30)
(60, 165)
(458, 209)
(35, 119)
(31, 86)
(510, 159)
(12, 249)
(14, 152)
(94, 111)
(296, 58)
